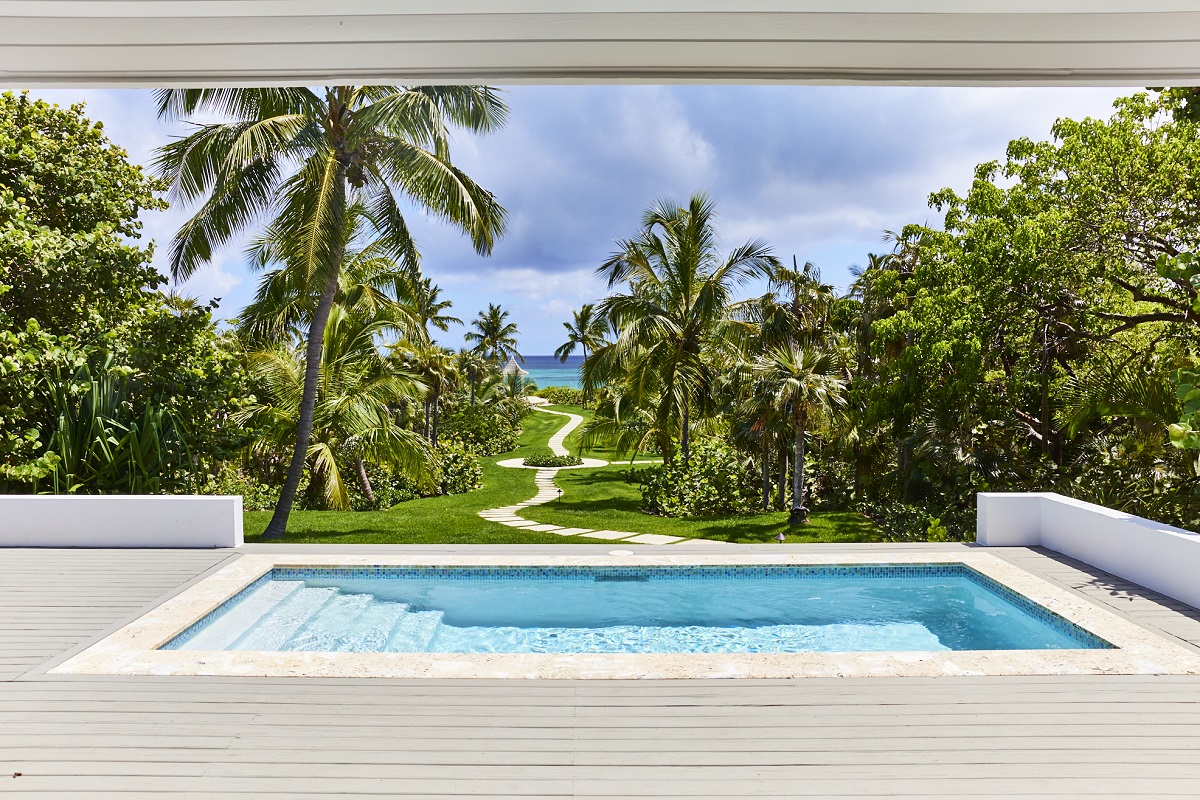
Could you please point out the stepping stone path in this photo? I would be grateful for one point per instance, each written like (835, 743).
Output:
(547, 491)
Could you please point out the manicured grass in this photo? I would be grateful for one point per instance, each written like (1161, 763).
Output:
(592, 498)
(601, 498)
(452, 519)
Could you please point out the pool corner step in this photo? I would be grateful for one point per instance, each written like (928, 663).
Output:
(271, 631)
(226, 629)
(329, 623)
(374, 628)
(415, 632)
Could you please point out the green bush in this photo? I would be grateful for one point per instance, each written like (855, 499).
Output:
(562, 395)
(256, 495)
(487, 430)
(905, 522)
(454, 470)
(718, 481)
(388, 486)
(553, 461)
(458, 469)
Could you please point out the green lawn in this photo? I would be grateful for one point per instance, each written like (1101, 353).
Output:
(592, 498)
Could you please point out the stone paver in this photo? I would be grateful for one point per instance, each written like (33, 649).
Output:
(572, 531)
(536, 527)
(654, 538)
(608, 535)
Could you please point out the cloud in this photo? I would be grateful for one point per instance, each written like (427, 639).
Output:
(818, 171)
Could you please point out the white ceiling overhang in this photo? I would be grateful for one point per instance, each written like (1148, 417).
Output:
(240, 42)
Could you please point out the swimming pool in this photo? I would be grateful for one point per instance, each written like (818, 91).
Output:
(746, 609)
(652, 614)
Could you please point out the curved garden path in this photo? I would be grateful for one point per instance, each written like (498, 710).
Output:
(547, 491)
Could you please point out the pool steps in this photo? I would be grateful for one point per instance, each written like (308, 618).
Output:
(287, 615)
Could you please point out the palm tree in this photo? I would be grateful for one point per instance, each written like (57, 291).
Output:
(474, 367)
(352, 419)
(797, 305)
(588, 332)
(806, 383)
(370, 283)
(437, 369)
(678, 317)
(301, 158)
(494, 338)
(428, 308)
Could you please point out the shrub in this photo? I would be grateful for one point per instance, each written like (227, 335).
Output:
(562, 395)
(553, 461)
(458, 469)
(718, 481)
(228, 479)
(388, 486)
(904, 522)
(485, 429)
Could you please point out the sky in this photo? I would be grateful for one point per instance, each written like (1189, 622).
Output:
(819, 172)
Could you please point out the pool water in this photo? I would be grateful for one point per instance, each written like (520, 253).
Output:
(631, 610)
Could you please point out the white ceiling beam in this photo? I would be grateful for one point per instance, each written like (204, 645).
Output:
(942, 42)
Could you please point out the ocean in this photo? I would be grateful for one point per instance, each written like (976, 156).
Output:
(549, 371)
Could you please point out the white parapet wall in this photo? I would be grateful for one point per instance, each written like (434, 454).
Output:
(120, 521)
(1152, 554)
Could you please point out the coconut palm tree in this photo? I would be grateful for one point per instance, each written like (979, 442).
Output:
(587, 332)
(493, 337)
(352, 419)
(437, 369)
(806, 384)
(370, 283)
(678, 316)
(797, 305)
(428, 308)
(300, 158)
(474, 367)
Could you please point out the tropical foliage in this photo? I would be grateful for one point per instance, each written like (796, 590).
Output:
(1043, 335)
(102, 375)
(306, 160)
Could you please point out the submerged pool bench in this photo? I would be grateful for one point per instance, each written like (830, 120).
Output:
(120, 521)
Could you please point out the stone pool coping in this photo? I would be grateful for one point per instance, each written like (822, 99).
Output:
(132, 649)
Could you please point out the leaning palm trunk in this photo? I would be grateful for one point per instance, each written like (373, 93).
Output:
(364, 482)
(783, 472)
(308, 403)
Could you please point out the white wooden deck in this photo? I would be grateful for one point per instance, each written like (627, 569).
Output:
(118, 737)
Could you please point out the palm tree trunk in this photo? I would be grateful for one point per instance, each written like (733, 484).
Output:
(433, 435)
(472, 392)
(308, 403)
(364, 482)
(766, 473)
(783, 472)
(799, 512)
(683, 443)
(425, 433)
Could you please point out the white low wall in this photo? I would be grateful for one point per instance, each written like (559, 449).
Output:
(1158, 556)
(120, 521)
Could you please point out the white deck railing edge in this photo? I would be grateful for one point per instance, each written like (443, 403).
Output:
(151, 521)
(1151, 554)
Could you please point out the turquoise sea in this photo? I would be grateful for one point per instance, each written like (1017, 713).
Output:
(549, 371)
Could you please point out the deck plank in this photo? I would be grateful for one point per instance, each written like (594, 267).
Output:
(97, 737)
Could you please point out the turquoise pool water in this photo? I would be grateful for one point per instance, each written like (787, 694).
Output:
(631, 610)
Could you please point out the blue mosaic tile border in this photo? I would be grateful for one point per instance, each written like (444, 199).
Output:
(1059, 623)
(778, 571)
(181, 638)
(1046, 616)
